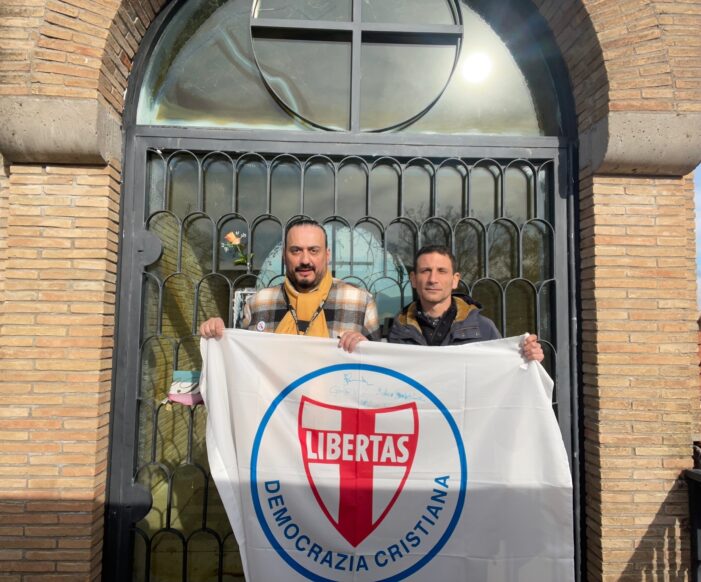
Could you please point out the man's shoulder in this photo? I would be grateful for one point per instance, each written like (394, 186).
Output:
(343, 291)
(266, 297)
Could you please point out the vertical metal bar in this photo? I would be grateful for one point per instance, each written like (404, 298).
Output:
(356, 48)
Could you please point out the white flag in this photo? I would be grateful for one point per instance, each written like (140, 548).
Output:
(390, 463)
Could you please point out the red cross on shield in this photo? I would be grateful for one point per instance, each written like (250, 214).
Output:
(357, 461)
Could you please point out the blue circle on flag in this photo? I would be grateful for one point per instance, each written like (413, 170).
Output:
(380, 370)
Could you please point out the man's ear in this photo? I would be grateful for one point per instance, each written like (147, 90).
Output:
(328, 256)
(412, 279)
(456, 280)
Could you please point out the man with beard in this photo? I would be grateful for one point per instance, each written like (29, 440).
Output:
(309, 302)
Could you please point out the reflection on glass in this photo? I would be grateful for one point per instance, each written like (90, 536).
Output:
(384, 192)
(490, 91)
(435, 232)
(416, 193)
(400, 80)
(155, 183)
(519, 190)
(203, 73)
(252, 189)
(266, 235)
(167, 228)
(214, 299)
(218, 181)
(332, 10)
(485, 185)
(503, 251)
(167, 556)
(520, 308)
(178, 303)
(488, 293)
(203, 557)
(183, 185)
(537, 252)
(401, 240)
(198, 239)
(352, 190)
(286, 190)
(408, 11)
(450, 184)
(545, 194)
(311, 77)
(188, 490)
(318, 190)
(469, 250)
(155, 480)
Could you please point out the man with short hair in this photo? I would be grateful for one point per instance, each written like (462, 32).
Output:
(309, 302)
(440, 319)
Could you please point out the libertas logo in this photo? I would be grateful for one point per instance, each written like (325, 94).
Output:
(372, 486)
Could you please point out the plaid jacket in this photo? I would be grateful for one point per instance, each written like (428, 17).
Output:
(347, 308)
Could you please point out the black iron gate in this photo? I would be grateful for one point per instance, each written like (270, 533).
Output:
(504, 211)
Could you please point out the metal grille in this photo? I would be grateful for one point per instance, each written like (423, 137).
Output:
(497, 216)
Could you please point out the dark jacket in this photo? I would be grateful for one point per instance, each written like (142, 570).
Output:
(469, 326)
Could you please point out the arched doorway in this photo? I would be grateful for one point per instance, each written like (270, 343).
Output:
(395, 124)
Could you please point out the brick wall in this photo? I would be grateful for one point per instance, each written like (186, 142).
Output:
(56, 332)
(640, 400)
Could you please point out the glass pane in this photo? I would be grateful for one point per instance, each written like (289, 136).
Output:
(311, 77)
(252, 189)
(519, 190)
(520, 308)
(167, 228)
(218, 186)
(188, 494)
(336, 10)
(368, 251)
(197, 250)
(352, 190)
(450, 186)
(469, 250)
(401, 241)
(400, 81)
(202, 558)
(384, 192)
(167, 557)
(545, 195)
(537, 252)
(503, 251)
(488, 293)
(408, 11)
(214, 299)
(203, 72)
(155, 183)
(178, 304)
(183, 184)
(435, 232)
(319, 190)
(485, 182)
(267, 236)
(285, 190)
(489, 91)
(416, 193)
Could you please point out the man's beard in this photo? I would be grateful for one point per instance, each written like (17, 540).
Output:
(306, 284)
